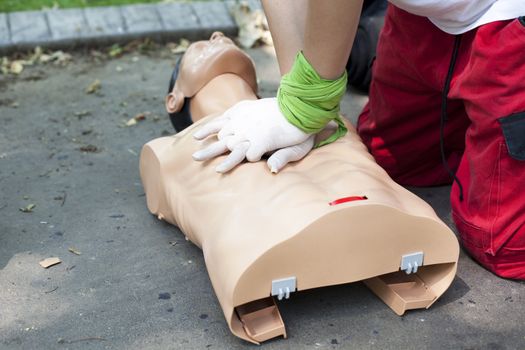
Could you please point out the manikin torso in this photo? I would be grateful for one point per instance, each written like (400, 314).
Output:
(256, 228)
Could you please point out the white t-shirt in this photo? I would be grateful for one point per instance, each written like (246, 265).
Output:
(460, 16)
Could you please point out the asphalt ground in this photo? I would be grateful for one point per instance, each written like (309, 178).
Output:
(137, 284)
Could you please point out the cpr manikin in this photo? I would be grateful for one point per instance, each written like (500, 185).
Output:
(334, 217)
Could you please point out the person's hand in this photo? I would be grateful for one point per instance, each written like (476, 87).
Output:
(250, 129)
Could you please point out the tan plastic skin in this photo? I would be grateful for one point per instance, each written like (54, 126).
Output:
(203, 61)
(255, 227)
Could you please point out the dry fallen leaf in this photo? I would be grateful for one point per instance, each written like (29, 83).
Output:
(60, 57)
(141, 116)
(83, 113)
(16, 67)
(36, 55)
(97, 54)
(74, 251)
(184, 42)
(28, 208)
(137, 118)
(115, 50)
(49, 262)
(253, 27)
(181, 47)
(44, 58)
(5, 65)
(93, 87)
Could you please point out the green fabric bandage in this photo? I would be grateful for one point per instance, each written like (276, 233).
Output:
(310, 102)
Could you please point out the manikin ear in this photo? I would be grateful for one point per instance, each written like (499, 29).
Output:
(174, 101)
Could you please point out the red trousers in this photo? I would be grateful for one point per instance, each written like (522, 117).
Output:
(484, 136)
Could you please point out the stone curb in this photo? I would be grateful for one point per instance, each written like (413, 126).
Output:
(69, 28)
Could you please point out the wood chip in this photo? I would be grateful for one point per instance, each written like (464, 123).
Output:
(28, 208)
(74, 251)
(83, 113)
(93, 87)
(141, 116)
(131, 122)
(137, 118)
(49, 262)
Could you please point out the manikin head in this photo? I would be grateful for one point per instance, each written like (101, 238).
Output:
(204, 60)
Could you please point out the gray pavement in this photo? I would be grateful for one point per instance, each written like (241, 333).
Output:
(65, 28)
(137, 283)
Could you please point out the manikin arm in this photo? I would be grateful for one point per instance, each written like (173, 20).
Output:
(249, 130)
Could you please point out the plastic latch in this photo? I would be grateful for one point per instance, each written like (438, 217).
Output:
(283, 287)
(411, 262)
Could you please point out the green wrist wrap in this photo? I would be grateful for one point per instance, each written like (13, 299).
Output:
(310, 102)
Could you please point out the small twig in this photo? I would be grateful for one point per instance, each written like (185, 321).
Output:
(46, 173)
(86, 339)
(63, 198)
(51, 291)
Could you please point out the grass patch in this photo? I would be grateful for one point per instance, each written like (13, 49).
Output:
(25, 5)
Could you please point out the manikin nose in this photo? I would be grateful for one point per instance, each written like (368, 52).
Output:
(216, 35)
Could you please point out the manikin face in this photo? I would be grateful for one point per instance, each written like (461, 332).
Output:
(201, 52)
(196, 61)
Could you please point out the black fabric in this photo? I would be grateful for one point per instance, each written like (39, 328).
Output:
(365, 43)
(513, 127)
(444, 116)
(522, 20)
(182, 119)
(374, 8)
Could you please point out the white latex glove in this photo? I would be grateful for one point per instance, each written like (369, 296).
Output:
(250, 129)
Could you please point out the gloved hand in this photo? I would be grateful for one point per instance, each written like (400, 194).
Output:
(250, 129)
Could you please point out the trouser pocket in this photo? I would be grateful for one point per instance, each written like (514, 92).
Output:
(513, 127)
